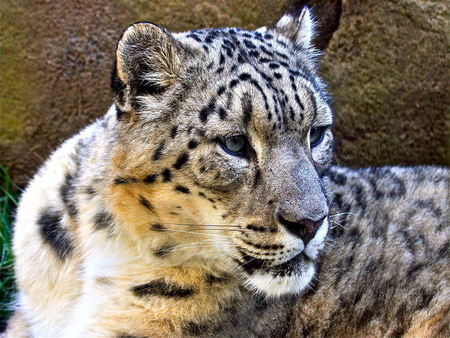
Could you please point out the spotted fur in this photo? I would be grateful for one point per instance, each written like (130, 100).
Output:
(147, 224)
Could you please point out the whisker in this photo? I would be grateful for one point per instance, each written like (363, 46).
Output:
(183, 231)
(339, 224)
(201, 252)
(251, 260)
(342, 213)
(207, 225)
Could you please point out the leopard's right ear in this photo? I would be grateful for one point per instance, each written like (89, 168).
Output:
(147, 63)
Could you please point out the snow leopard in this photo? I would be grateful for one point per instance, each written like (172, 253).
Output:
(205, 204)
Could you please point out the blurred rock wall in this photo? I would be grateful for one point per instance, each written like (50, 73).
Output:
(386, 63)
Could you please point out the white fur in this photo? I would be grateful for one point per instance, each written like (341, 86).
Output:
(275, 286)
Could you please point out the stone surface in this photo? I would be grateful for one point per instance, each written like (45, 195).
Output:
(386, 65)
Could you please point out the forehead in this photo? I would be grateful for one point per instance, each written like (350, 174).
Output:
(259, 65)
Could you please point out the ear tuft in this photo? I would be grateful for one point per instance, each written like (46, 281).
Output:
(298, 27)
(147, 63)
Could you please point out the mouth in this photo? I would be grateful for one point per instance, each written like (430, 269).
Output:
(290, 277)
(252, 264)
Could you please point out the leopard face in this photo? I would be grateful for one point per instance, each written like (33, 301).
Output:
(221, 141)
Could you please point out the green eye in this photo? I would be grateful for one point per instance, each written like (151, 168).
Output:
(234, 144)
(316, 136)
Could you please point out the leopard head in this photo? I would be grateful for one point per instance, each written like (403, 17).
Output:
(221, 142)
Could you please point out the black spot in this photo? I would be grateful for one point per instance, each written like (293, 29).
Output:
(160, 287)
(338, 178)
(167, 175)
(195, 329)
(424, 299)
(415, 270)
(103, 220)
(194, 36)
(192, 144)
(200, 132)
(206, 111)
(256, 228)
(66, 191)
(90, 191)
(182, 189)
(254, 53)
(430, 206)
(157, 227)
(158, 152)
(274, 65)
(297, 99)
(120, 114)
(398, 331)
(164, 251)
(360, 197)
(229, 50)
(245, 76)
(181, 161)
(222, 113)
(380, 224)
(211, 279)
(233, 83)
(268, 36)
(277, 75)
(221, 90)
(222, 59)
(54, 234)
(122, 180)
(174, 131)
(247, 108)
(150, 179)
(144, 202)
(249, 44)
(444, 251)
(265, 50)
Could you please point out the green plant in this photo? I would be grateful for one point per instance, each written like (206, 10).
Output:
(8, 202)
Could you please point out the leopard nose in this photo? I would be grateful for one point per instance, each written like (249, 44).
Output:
(305, 229)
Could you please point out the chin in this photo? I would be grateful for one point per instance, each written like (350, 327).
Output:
(289, 278)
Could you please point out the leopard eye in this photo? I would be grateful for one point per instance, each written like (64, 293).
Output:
(316, 136)
(234, 145)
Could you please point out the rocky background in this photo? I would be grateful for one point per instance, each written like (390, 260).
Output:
(386, 63)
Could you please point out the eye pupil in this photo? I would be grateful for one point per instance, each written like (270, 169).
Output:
(316, 136)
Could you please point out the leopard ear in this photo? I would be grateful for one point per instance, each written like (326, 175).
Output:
(298, 27)
(147, 63)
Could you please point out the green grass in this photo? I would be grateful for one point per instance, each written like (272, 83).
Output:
(8, 202)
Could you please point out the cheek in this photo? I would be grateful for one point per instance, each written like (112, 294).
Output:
(216, 172)
(323, 153)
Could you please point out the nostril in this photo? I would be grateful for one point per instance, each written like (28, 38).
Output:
(305, 228)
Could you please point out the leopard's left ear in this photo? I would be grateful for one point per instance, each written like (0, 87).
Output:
(298, 27)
